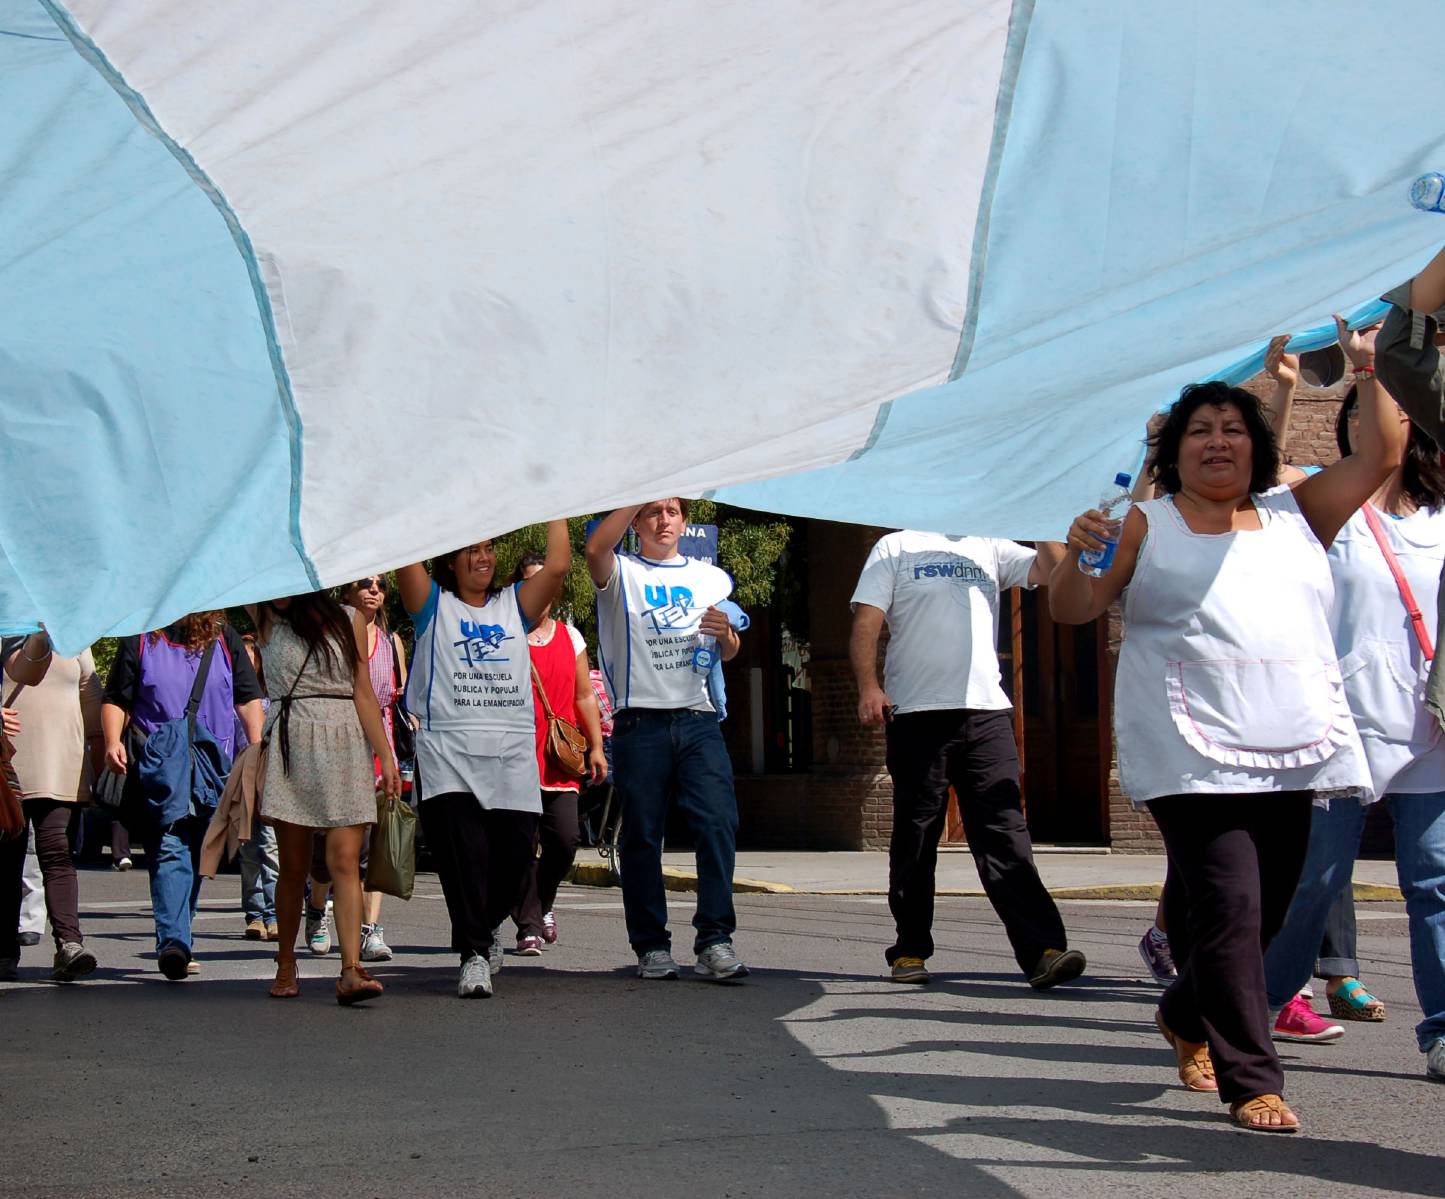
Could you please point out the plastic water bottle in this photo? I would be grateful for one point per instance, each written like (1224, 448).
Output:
(1427, 193)
(1114, 504)
(704, 653)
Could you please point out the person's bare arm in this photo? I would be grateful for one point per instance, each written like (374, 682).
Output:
(542, 588)
(601, 551)
(873, 701)
(1331, 497)
(413, 584)
(253, 718)
(1048, 555)
(112, 727)
(590, 717)
(369, 711)
(1076, 598)
(715, 624)
(29, 662)
(1283, 368)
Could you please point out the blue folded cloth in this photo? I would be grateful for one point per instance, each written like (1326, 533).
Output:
(717, 690)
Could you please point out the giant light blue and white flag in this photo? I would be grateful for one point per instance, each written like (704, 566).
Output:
(293, 292)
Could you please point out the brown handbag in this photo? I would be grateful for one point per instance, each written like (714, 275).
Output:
(565, 747)
(12, 815)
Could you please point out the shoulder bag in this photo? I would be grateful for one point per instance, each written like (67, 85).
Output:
(1407, 597)
(565, 747)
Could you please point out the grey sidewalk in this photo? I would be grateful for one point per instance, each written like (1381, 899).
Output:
(1068, 873)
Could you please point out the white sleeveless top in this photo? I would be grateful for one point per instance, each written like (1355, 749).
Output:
(1227, 679)
(1381, 660)
(470, 686)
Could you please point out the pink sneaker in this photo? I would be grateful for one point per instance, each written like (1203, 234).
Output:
(1298, 1022)
(531, 947)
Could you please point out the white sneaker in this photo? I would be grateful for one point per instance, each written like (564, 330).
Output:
(476, 979)
(655, 964)
(1435, 1061)
(318, 934)
(495, 954)
(720, 963)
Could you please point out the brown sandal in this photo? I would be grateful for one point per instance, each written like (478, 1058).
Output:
(285, 987)
(366, 988)
(1253, 1115)
(1196, 1071)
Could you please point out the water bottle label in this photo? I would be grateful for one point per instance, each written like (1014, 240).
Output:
(1099, 560)
(703, 658)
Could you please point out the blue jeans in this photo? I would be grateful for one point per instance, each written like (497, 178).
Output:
(665, 755)
(259, 868)
(173, 857)
(1329, 864)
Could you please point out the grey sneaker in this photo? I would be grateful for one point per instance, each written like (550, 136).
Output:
(373, 947)
(720, 963)
(476, 978)
(72, 960)
(318, 933)
(9, 969)
(494, 954)
(656, 963)
(1435, 1061)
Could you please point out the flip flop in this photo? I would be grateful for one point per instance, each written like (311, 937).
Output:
(1353, 1002)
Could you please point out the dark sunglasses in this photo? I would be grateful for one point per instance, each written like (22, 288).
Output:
(376, 582)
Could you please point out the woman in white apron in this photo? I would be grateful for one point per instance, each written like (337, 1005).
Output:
(1385, 659)
(470, 689)
(1230, 712)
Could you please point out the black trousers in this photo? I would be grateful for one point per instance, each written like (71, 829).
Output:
(480, 857)
(1234, 861)
(975, 753)
(51, 821)
(557, 835)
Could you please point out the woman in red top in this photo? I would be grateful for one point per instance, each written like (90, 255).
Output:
(560, 656)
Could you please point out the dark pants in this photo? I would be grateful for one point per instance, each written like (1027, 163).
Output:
(976, 754)
(51, 822)
(1234, 861)
(557, 835)
(480, 855)
(665, 756)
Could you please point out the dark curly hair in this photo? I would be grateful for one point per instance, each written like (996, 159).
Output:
(197, 630)
(1165, 442)
(444, 571)
(1422, 477)
(530, 558)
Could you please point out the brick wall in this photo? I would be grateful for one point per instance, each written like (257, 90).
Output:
(1311, 442)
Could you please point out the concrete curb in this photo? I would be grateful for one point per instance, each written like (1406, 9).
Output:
(596, 874)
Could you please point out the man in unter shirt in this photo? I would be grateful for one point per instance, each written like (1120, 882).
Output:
(659, 636)
(948, 722)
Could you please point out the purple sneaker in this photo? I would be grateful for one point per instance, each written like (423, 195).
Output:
(1154, 949)
(1297, 1021)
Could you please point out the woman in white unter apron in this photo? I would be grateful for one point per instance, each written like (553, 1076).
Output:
(1385, 658)
(1230, 714)
(470, 689)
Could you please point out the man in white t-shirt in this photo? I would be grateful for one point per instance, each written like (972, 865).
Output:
(948, 722)
(659, 636)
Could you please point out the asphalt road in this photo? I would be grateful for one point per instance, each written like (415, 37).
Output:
(815, 1077)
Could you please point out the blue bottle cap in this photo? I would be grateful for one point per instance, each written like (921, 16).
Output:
(1122, 480)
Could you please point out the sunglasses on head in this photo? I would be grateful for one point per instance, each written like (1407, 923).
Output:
(376, 582)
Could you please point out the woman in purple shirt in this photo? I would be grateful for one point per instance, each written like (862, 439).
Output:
(150, 683)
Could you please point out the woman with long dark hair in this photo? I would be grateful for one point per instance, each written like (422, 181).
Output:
(471, 690)
(1385, 659)
(1230, 713)
(324, 726)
